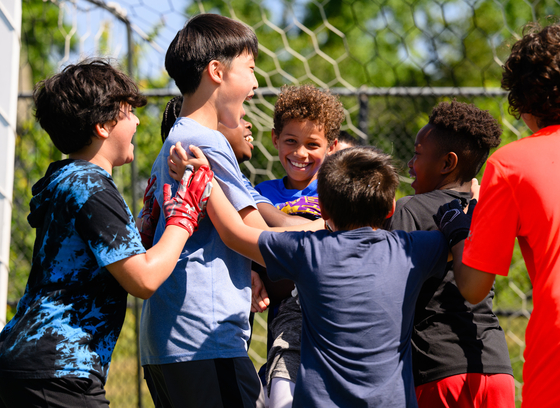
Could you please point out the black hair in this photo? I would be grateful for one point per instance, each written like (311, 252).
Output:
(69, 104)
(347, 138)
(206, 37)
(467, 131)
(356, 187)
(532, 75)
(170, 115)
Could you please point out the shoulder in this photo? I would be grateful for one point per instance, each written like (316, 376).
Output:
(270, 185)
(188, 131)
(81, 180)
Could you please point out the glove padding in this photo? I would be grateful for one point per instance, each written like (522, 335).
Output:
(150, 214)
(305, 206)
(453, 222)
(187, 207)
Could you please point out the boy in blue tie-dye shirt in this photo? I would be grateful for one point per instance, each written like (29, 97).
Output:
(87, 253)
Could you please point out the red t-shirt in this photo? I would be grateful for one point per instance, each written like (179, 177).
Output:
(520, 197)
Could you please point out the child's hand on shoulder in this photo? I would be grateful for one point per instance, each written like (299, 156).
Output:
(179, 159)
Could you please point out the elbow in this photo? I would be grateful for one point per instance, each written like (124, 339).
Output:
(473, 295)
(143, 290)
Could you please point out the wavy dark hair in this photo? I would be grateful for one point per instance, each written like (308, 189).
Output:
(206, 37)
(69, 104)
(356, 187)
(531, 74)
(467, 131)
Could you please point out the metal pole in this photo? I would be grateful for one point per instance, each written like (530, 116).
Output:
(134, 193)
(10, 32)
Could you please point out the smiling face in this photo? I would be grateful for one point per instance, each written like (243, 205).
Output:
(427, 163)
(302, 147)
(238, 85)
(240, 139)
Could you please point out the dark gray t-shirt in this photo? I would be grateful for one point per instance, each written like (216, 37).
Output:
(451, 336)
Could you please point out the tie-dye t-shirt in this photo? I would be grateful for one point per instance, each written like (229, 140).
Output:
(69, 319)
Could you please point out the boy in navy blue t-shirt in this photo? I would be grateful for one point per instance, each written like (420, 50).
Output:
(357, 283)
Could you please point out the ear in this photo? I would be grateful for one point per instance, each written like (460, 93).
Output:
(102, 130)
(392, 211)
(274, 135)
(332, 148)
(450, 162)
(324, 214)
(215, 71)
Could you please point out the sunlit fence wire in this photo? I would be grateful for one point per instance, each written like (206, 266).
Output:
(389, 61)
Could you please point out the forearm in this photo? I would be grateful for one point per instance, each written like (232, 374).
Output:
(473, 284)
(141, 275)
(231, 227)
(276, 218)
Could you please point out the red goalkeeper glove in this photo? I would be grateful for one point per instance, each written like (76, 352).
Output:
(187, 207)
(150, 214)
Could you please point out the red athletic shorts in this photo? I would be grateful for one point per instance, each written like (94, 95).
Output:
(468, 391)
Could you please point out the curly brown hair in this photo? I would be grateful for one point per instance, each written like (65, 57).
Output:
(532, 75)
(306, 102)
(467, 131)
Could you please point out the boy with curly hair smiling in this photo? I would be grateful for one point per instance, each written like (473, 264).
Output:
(459, 351)
(306, 126)
(518, 200)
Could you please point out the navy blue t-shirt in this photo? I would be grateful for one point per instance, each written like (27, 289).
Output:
(357, 291)
(72, 311)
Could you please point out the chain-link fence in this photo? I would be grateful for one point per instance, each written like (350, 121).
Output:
(390, 61)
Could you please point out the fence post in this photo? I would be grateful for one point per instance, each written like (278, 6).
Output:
(10, 31)
(363, 112)
(134, 193)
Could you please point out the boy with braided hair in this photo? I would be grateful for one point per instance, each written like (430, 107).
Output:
(459, 353)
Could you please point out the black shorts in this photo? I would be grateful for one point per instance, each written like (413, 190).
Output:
(69, 392)
(217, 383)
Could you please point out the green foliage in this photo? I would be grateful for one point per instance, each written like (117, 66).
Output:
(43, 39)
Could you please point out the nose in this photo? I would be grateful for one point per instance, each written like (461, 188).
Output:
(248, 125)
(300, 151)
(255, 82)
(410, 163)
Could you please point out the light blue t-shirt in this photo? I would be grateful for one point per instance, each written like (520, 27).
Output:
(259, 199)
(202, 310)
(357, 291)
(277, 193)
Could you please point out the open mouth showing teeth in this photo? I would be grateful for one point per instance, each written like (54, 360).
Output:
(249, 138)
(300, 165)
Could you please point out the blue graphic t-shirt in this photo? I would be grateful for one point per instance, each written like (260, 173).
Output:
(69, 319)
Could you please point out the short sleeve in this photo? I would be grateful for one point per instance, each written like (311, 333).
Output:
(106, 225)
(259, 199)
(489, 247)
(282, 253)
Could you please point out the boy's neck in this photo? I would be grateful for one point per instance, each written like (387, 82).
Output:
(456, 186)
(200, 108)
(291, 184)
